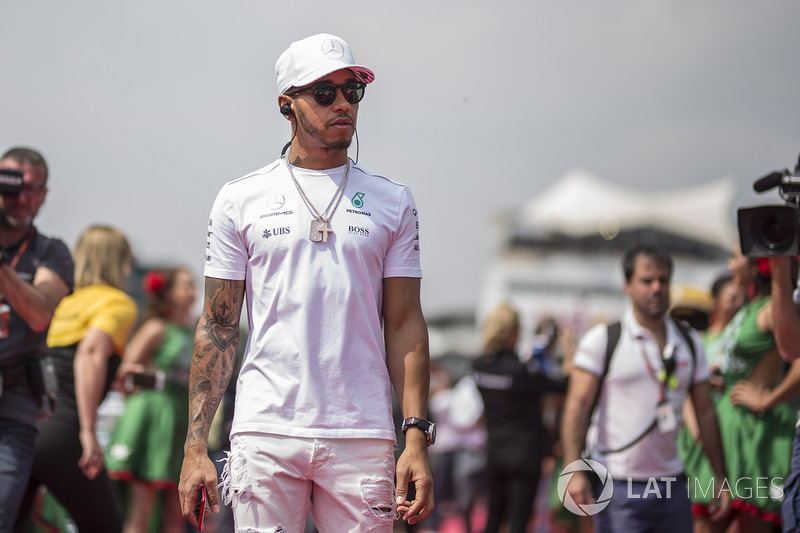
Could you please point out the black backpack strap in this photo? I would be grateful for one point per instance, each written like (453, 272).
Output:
(614, 331)
(684, 329)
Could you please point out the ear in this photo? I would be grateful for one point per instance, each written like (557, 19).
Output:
(285, 107)
(627, 287)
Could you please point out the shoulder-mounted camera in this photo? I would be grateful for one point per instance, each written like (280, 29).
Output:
(10, 182)
(773, 230)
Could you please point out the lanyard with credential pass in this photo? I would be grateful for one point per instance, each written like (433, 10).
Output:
(665, 414)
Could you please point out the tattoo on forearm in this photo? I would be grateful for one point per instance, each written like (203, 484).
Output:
(216, 342)
(221, 329)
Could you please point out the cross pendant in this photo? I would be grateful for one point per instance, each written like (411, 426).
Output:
(319, 231)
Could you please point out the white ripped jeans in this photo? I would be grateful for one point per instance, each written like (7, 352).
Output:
(273, 481)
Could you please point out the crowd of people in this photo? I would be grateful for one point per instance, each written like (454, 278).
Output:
(71, 333)
(329, 301)
(336, 369)
(707, 417)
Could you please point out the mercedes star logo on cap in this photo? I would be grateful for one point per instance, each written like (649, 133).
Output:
(332, 49)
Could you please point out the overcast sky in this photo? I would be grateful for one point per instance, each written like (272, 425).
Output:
(144, 109)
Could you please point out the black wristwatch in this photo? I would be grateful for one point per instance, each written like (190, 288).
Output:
(429, 428)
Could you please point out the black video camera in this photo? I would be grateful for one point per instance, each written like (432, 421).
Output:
(10, 182)
(773, 230)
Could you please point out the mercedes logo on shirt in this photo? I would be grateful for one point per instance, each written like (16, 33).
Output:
(275, 201)
(332, 49)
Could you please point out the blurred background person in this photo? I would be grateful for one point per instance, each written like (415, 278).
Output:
(786, 316)
(756, 423)
(459, 466)
(35, 274)
(516, 438)
(448, 441)
(86, 340)
(147, 443)
(727, 296)
(628, 383)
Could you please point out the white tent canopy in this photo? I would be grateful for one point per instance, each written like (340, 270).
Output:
(581, 204)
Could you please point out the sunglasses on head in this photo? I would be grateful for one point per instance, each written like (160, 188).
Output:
(325, 92)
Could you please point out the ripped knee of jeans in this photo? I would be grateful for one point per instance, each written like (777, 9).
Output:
(235, 485)
(378, 495)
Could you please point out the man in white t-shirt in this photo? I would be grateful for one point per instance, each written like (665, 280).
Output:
(633, 430)
(325, 256)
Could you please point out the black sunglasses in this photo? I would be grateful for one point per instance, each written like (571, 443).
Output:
(325, 92)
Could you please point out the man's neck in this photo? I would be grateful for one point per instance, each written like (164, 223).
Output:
(655, 325)
(11, 236)
(320, 159)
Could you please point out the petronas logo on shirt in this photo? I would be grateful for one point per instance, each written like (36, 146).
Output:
(358, 200)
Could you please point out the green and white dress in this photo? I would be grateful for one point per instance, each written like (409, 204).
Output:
(147, 441)
(757, 448)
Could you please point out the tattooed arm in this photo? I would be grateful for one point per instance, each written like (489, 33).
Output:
(215, 344)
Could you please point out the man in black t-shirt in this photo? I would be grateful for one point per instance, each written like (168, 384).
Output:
(35, 274)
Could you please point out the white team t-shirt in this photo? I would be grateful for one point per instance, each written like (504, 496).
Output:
(630, 394)
(315, 360)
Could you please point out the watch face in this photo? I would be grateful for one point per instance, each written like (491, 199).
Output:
(431, 434)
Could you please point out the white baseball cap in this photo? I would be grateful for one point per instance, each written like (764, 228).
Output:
(312, 58)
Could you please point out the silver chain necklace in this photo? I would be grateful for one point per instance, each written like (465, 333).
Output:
(319, 229)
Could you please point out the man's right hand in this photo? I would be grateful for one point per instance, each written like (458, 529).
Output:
(580, 489)
(197, 471)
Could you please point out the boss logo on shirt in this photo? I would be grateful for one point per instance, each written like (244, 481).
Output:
(357, 230)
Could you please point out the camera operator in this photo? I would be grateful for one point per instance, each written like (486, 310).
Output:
(786, 320)
(786, 313)
(35, 274)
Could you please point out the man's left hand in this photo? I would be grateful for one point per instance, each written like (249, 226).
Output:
(413, 467)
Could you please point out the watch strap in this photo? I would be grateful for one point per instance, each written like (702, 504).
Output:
(423, 425)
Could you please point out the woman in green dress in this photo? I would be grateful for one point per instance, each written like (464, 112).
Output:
(147, 443)
(727, 297)
(756, 423)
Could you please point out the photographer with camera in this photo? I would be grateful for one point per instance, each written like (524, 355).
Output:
(35, 274)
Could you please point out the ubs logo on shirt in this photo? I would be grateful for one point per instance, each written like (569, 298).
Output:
(270, 232)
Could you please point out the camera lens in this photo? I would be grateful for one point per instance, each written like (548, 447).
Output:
(774, 231)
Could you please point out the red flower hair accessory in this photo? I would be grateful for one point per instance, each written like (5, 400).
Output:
(763, 266)
(153, 282)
